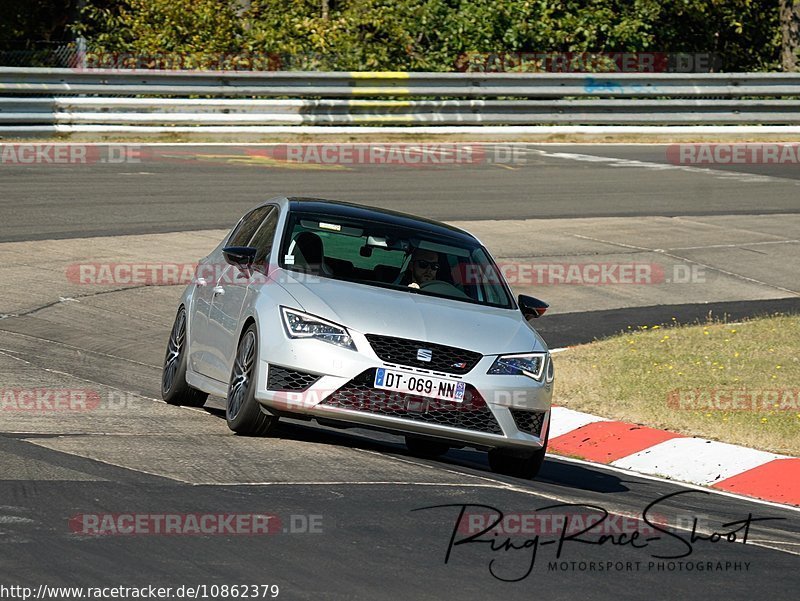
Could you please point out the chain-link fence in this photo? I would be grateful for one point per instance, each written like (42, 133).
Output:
(44, 54)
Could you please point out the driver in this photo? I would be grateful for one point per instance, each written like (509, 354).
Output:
(424, 267)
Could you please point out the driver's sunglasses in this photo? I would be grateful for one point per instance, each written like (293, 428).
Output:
(427, 264)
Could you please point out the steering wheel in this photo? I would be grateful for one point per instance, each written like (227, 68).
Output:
(430, 283)
(442, 287)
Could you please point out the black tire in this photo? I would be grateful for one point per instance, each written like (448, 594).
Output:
(518, 464)
(242, 411)
(174, 389)
(425, 447)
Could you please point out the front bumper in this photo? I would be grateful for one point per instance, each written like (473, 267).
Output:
(317, 379)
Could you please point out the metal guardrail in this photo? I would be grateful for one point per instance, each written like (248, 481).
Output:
(77, 98)
(168, 111)
(376, 84)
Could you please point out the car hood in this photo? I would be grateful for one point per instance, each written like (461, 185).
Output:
(373, 310)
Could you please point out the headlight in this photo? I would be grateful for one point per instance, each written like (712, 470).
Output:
(527, 364)
(303, 325)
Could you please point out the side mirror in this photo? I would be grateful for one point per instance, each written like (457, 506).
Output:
(531, 307)
(240, 256)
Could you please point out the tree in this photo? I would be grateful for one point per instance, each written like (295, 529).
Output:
(743, 35)
(205, 34)
(435, 35)
(790, 34)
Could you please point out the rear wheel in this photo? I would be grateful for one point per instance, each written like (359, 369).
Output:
(243, 412)
(425, 447)
(174, 389)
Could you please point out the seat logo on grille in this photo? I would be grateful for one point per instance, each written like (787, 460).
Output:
(424, 354)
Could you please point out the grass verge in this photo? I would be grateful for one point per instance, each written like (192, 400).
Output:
(733, 382)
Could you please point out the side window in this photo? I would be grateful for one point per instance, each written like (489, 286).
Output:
(265, 236)
(243, 233)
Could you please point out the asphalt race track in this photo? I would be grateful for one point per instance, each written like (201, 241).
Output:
(353, 514)
(167, 188)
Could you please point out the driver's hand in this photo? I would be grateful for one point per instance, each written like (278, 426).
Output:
(413, 285)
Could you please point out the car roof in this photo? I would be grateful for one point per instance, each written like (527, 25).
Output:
(355, 211)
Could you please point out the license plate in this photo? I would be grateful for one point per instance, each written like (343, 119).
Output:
(427, 386)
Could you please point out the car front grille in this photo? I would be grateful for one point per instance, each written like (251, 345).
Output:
(529, 422)
(471, 414)
(400, 351)
(283, 378)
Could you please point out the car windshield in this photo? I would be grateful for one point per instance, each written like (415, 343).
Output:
(385, 255)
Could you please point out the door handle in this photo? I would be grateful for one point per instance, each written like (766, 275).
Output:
(201, 282)
(219, 291)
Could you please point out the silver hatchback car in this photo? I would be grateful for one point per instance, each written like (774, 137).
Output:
(363, 317)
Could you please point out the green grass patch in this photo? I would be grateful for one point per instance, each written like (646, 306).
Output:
(732, 382)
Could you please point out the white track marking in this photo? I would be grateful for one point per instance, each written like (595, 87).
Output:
(690, 261)
(632, 163)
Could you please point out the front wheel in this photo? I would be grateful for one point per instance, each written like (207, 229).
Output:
(174, 389)
(242, 411)
(516, 463)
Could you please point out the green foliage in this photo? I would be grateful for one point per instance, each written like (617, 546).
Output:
(179, 33)
(432, 35)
